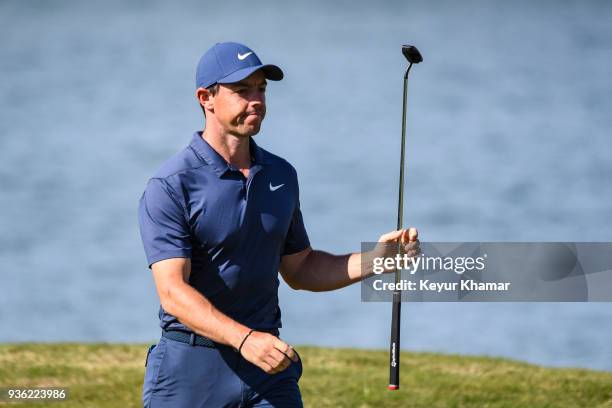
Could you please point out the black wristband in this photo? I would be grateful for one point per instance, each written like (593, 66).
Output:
(243, 340)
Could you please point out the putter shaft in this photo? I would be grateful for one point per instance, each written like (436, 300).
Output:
(394, 352)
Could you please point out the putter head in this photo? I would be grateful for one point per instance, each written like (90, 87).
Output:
(412, 54)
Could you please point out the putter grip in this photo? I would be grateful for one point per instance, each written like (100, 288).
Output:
(394, 351)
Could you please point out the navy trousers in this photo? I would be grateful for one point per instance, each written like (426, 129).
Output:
(179, 375)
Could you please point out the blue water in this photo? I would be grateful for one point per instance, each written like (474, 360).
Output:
(508, 122)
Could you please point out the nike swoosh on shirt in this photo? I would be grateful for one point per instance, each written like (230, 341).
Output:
(243, 56)
(274, 188)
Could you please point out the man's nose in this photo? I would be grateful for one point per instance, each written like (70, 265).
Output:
(257, 98)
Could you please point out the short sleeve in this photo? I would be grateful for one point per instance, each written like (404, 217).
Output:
(163, 224)
(297, 238)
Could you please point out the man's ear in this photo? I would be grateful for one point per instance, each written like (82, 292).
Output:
(205, 98)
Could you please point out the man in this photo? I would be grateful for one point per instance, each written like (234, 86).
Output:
(218, 221)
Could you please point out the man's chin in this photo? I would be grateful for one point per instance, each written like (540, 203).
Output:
(247, 131)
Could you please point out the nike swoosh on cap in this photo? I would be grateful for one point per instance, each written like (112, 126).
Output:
(243, 56)
(274, 188)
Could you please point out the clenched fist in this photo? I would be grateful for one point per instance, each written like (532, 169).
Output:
(268, 352)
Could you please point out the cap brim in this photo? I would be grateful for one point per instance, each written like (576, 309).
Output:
(272, 72)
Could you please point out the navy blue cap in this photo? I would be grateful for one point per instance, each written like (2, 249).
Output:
(230, 62)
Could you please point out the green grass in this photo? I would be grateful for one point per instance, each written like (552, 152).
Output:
(110, 375)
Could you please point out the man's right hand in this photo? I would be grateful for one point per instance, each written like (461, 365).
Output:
(268, 352)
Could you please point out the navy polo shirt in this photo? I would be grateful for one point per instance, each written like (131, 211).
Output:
(234, 229)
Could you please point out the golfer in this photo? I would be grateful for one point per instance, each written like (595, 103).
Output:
(218, 221)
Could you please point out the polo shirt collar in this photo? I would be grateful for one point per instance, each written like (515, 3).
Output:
(218, 163)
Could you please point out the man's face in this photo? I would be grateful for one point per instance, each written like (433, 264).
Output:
(241, 107)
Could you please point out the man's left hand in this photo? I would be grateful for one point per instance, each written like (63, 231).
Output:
(387, 244)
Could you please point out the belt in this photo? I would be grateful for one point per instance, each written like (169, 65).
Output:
(197, 340)
(189, 338)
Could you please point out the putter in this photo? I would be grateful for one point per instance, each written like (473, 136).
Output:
(414, 57)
